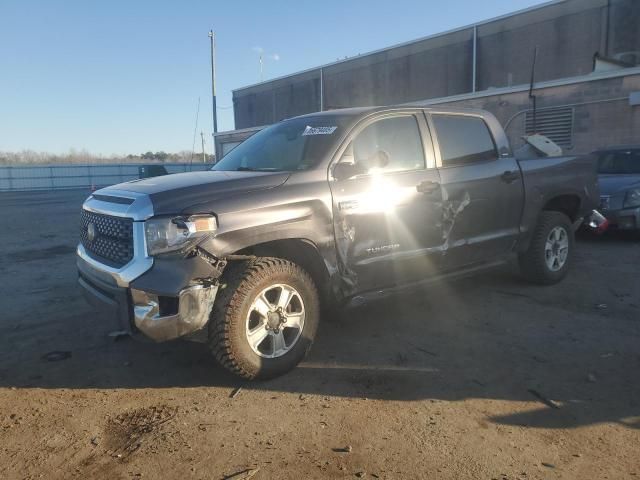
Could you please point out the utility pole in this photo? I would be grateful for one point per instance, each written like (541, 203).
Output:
(213, 89)
(204, 155)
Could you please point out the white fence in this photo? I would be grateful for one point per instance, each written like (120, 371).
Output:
(58, 177)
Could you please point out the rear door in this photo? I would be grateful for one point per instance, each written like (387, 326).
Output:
(387, 218)
(482, 190)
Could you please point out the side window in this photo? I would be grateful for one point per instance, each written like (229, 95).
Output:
(620, 162)
(463, 140)
(390, 145)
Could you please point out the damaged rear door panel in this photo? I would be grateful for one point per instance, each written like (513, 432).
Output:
(482, 190)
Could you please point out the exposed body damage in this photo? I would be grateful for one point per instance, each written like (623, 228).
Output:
(361, 200)
(451, 209)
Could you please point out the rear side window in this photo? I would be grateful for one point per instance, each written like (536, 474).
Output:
(463, 140)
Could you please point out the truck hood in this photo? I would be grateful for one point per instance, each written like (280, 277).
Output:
(171, 194)
(612, 184)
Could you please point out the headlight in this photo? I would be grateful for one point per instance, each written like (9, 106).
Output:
(632, 198)
(167, 234)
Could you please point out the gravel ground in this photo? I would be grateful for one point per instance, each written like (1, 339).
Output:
(484, 378)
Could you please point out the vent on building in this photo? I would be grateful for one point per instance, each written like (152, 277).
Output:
(554, 123)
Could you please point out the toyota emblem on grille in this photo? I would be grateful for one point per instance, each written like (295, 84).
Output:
(91, 232)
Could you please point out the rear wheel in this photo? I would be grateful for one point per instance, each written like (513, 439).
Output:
(549, 255)
(265, 318)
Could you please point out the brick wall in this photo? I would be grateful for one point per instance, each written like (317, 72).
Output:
(602, 114)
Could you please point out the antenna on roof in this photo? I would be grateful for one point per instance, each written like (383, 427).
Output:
(531, 95)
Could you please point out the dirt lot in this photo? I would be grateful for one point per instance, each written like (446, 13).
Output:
(483, 378)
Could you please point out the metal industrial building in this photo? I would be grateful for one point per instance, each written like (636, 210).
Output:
(587, 76)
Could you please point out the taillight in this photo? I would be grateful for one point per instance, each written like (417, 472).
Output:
(597, 222)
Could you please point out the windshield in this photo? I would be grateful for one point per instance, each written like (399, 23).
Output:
(620, 162)
(297, 144)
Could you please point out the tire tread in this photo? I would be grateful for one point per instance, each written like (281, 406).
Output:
(238, 281)
(532, 262)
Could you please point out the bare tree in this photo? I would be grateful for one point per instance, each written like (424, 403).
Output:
(31, 157)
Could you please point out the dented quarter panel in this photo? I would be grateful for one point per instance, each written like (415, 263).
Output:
(547, 178)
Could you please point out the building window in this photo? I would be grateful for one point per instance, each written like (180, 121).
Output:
(554, 123)
(227, 147)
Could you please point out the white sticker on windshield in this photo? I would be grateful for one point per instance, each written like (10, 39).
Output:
(319, 130)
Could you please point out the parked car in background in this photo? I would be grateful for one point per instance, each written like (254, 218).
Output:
(152, 170)
(619, 179)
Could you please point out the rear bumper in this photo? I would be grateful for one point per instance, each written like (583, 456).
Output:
(161, 316)
(624, 219)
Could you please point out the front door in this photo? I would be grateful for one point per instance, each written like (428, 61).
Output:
(387, 215)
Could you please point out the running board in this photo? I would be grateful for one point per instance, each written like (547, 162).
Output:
(364, 297)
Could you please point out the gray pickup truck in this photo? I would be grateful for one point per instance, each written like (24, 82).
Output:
(318, 210)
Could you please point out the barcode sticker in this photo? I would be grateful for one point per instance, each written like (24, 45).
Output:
(318, 131)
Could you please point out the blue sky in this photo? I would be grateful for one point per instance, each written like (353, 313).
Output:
(125, 76)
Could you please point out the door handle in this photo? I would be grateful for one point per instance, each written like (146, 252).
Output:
(428, 186)
(510, 176)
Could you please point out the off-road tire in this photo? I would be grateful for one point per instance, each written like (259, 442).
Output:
(533, 266)
(241, 283)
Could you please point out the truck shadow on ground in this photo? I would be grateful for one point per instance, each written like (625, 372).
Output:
(565, 362)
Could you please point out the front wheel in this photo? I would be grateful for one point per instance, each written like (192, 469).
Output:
(264, 319)
(549, 255)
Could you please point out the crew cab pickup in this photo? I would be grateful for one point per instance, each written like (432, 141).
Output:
(315, 211)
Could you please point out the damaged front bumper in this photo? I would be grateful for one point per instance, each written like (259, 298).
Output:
(159, 305)
(189, 312)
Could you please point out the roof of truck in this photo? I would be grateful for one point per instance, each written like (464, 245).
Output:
(361, 111)
(358, 113)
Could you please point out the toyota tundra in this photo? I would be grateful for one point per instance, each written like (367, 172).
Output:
(315, 211)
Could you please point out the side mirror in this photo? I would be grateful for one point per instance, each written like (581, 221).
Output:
(345, 171)
(348, 167)
(380, 159)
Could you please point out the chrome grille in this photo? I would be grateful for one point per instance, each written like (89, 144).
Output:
(113, 240)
